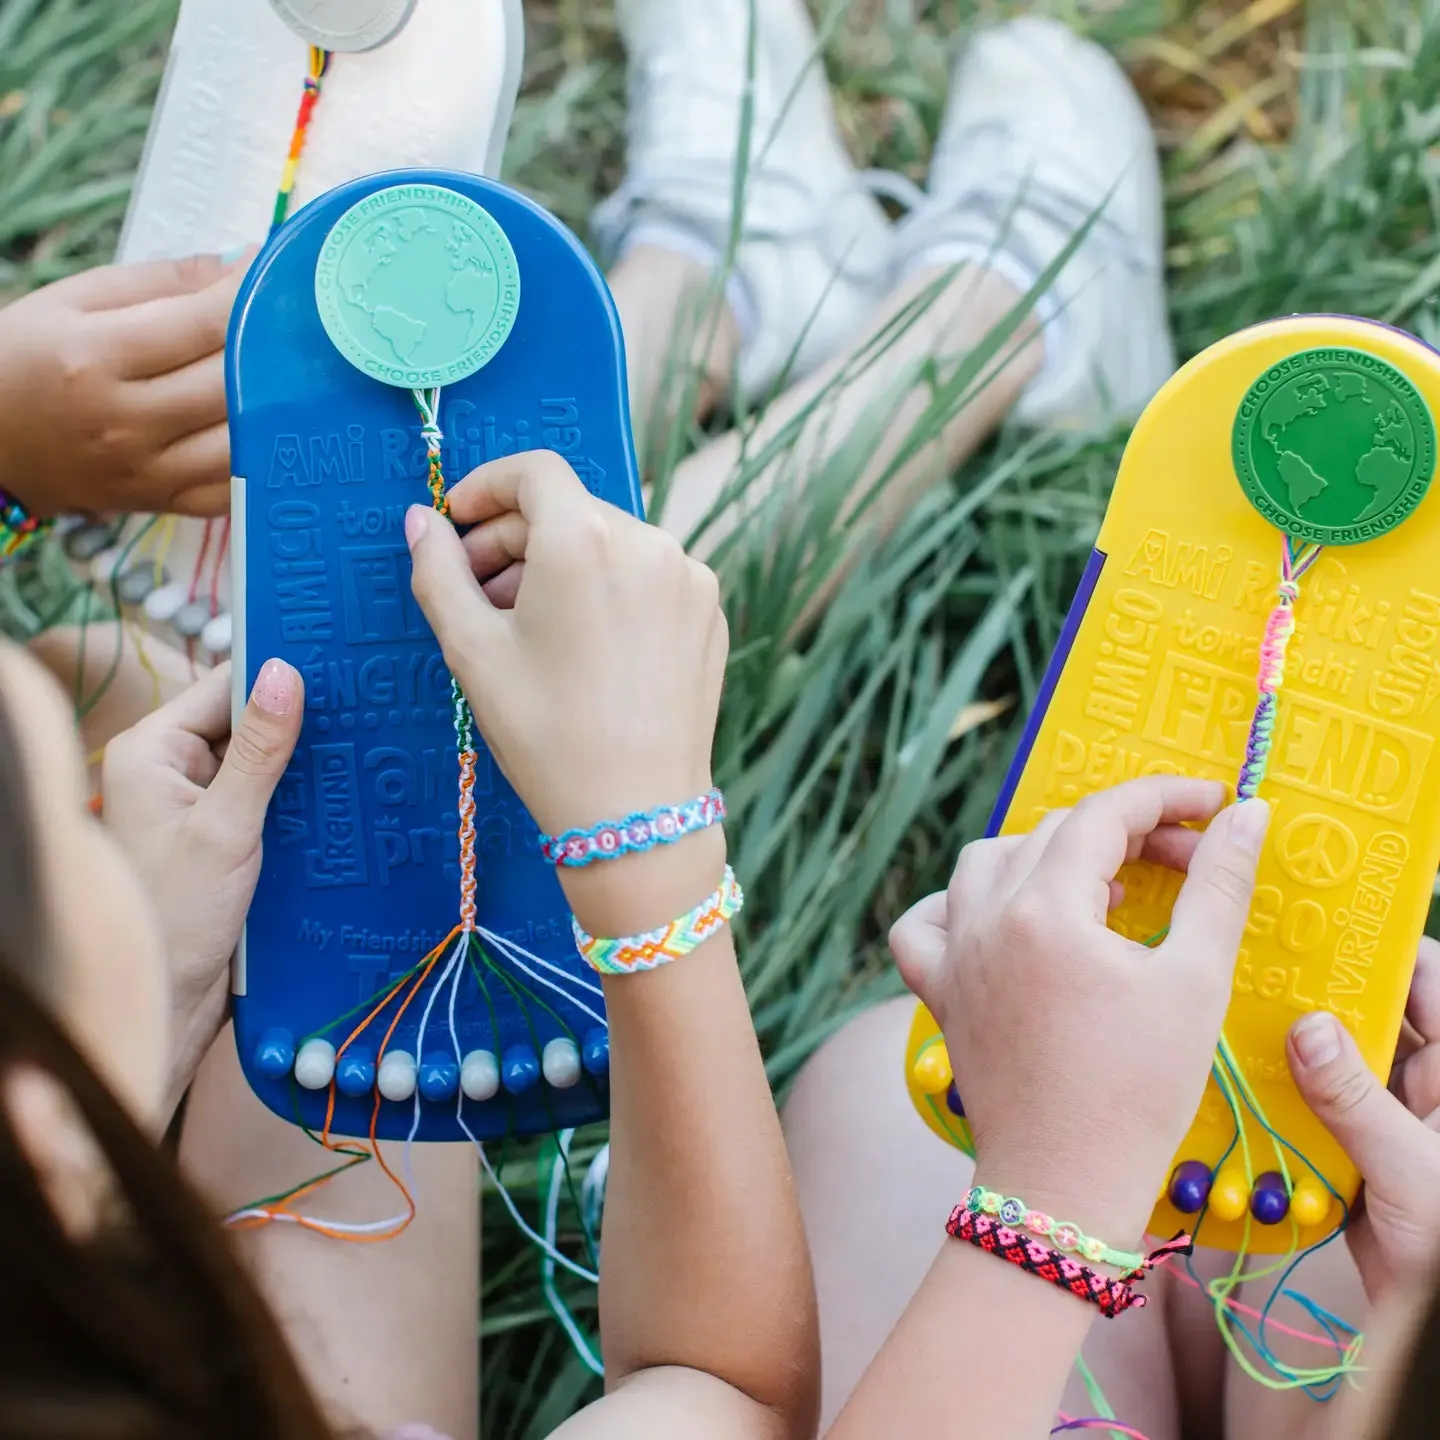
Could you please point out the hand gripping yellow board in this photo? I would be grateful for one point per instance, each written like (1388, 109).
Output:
(1319, 428)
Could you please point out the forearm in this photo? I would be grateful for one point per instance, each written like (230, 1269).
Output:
(704, 1262)
(981, 1353)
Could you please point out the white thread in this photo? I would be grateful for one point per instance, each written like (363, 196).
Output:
(578, 981)
(504, 1194)
(558, 1307)
(505, 946)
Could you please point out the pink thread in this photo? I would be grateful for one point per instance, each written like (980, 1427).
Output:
(1295, 560)
(1270, 1323)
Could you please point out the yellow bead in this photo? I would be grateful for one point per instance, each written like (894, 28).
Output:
(1310, 1204)
(931, 1072)
(1230, 1195)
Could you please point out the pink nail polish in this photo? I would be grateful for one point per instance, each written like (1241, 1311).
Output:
(414, 524)
(274, 690)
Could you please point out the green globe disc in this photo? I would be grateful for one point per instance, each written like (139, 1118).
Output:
(1334, 446)
(417, 286)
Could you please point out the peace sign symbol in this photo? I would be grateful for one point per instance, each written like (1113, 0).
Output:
(1317, 851)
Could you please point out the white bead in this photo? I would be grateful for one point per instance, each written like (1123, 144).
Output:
(479, 1075)
(315, 1064)
(161, 605)
(396, 1078)
(561, 1064)
(216, 635)
(106, 563)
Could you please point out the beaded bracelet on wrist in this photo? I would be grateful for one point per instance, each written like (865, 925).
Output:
(643, 830)
(1111, 1297)
(1065, 1237)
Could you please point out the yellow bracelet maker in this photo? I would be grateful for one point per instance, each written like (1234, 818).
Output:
(1160, 678)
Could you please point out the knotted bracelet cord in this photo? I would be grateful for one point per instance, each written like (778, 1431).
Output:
(1296, 557)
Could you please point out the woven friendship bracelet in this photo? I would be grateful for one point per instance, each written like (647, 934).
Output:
(1067, 1238)
(1110, 1297)
(18, 527)
(669, 942)
(642, 831)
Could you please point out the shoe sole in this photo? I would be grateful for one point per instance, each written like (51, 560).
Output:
(256, 74)
(227, 105)
(1155, 674)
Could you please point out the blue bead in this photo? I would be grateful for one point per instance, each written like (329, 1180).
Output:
(275, 1054)
(1270, 1201)
(1190, 1186)
(355, 1073)
(439, 1076)
(952, 1099)
(595, 1051)
(519, 1069)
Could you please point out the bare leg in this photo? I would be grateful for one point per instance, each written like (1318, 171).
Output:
(679, 335)
(954, 312)
(1331, 1280)
(875, 1187)
(386, 1333)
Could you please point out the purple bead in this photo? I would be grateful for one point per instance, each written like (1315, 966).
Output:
(1270, 1200)
(1190, 1186)
(952, 1099)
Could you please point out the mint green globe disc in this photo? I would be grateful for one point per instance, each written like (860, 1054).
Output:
(417, 286)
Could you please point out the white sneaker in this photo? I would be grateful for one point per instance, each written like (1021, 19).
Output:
(438, 93)
(1042, 131)
(815, 248)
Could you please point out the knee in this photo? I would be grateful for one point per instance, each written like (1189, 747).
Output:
(857, 1077)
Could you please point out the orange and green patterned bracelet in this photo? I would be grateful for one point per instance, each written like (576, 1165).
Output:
(1066, 1238)
(670, 942)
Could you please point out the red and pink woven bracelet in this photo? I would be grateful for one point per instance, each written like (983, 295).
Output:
(1110, 1297)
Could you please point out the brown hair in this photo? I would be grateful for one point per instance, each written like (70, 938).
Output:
(1419, 1400)
(152, 1331)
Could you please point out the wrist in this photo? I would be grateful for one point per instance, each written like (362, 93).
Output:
(646, 889)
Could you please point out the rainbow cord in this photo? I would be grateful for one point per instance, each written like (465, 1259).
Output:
(1295, 559)
(319, 64)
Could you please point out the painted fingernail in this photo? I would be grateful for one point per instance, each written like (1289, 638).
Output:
(1317, 1040)
(230, 256)
(1248, 823)
(414, 524)
(274, 690)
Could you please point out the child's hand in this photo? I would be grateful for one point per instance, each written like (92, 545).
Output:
(112, 390)
(1081, 1056)
(1389, 1134)
(187, 800)
(594, 653)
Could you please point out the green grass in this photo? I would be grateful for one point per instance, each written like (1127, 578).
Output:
(1301, 175)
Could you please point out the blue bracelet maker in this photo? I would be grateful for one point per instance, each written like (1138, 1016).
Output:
(360, 877)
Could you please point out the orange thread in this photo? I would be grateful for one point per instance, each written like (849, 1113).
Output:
(467, 840)
(340, 1146)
